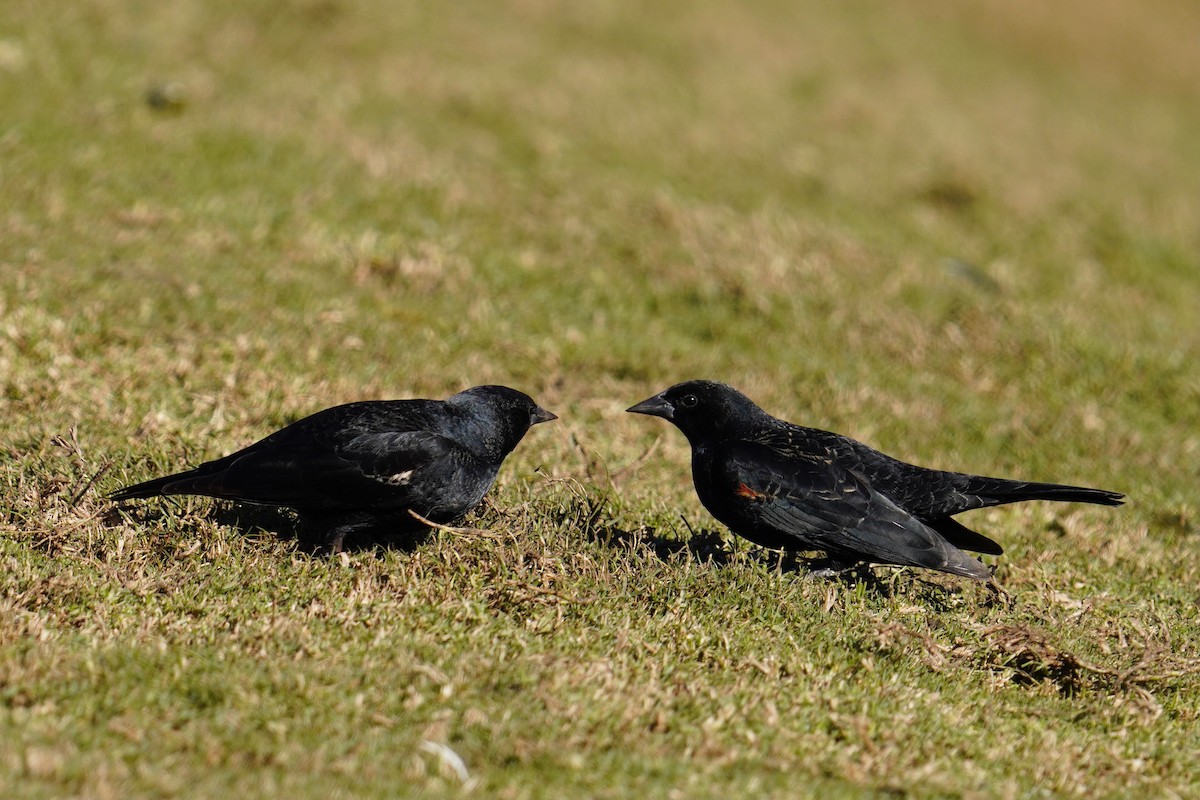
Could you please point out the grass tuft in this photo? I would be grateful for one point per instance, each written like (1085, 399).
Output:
(965, 235)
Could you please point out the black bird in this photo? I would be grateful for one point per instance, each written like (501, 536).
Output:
(787, 487)
(366, 465)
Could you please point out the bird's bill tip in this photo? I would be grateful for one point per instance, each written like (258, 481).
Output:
(541, 415)
(656, 406)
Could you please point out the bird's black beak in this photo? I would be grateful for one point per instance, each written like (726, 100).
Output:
(657, 406)
(539, 415)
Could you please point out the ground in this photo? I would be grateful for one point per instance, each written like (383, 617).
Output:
(965, 234)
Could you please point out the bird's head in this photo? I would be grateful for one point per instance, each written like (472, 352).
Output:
(500, 415)
(704, 410)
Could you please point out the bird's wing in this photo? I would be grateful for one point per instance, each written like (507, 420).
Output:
(364, 470)
(928, 494)
(828, 507)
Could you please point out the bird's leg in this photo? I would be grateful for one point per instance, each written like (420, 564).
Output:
(829, 567)
(336, 538)
(340, 528)
(325, 532)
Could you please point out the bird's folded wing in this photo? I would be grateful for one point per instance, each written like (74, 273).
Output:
(829, 507)
(370, 469)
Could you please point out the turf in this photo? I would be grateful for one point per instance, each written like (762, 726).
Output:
(966, 234)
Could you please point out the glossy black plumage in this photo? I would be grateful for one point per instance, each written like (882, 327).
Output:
(789, 487)
(367, 465)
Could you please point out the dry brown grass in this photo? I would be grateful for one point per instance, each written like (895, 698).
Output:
(963, 233)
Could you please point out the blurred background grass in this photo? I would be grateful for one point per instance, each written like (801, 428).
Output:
(965, 233)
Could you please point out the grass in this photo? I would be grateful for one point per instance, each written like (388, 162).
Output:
(963, 233)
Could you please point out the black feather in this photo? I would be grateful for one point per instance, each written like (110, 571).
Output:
(787, 486)
(369, 463)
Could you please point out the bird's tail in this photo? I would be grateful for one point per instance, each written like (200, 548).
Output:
(963, 537)
(169, 484)
(946, 557)
(1002, 491)
(959, 563)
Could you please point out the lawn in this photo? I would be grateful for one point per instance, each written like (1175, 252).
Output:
(966, 234)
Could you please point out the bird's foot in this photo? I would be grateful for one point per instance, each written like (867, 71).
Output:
(329, 534)
(829, 568)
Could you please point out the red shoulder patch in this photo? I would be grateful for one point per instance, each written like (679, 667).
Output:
(745, 491)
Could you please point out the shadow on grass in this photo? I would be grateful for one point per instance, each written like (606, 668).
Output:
(388, 534)
(705, 547)
(585, 514)
(708, 546)
(251, 521)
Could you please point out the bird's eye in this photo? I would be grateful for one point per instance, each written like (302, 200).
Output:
(689, 401)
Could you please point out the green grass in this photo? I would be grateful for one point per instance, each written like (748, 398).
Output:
(966, 234)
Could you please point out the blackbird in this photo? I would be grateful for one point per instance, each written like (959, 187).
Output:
(788, 487)
(367, 465)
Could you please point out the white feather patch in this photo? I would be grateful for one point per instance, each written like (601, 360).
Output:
(399, 479)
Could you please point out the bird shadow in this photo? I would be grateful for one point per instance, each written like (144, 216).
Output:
(703, 547)
(826, 570)
(250, 520)
(707, 546)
